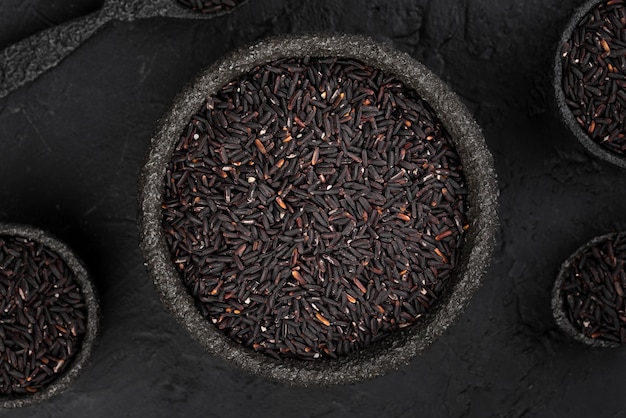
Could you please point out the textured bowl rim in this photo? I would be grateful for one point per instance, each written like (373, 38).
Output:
(68, 377)
(395, 351)
(566, 114)
(558, 309)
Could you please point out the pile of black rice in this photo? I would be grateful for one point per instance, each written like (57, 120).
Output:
(43, 316)
(594, 290)
(314, 206)
(594, 74)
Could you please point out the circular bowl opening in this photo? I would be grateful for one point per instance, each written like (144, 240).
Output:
(49, 317)
(400, 347)
(589, 292)
(590, 79)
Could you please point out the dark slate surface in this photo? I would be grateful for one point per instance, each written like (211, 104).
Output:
(25, 61)
(72, 144)
(21, 18)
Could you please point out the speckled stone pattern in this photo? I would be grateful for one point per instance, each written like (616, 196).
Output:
(74, 140)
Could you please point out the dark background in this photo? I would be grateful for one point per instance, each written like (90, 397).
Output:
(72, 143)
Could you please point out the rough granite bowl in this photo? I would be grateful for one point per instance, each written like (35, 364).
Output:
(395, 351)
(566, 114)
(558, 309)
(80, 361)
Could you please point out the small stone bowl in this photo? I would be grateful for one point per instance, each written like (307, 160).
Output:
(394, 351)
(558, 302)
(566, 114)
(81, 359)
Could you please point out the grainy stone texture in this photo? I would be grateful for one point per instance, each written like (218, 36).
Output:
(81, 359)
(74, 141)
(395, 351)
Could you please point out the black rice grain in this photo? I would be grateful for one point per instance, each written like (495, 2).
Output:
(594, 74)
(313, 207)
(594, 288)
(42, 316)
